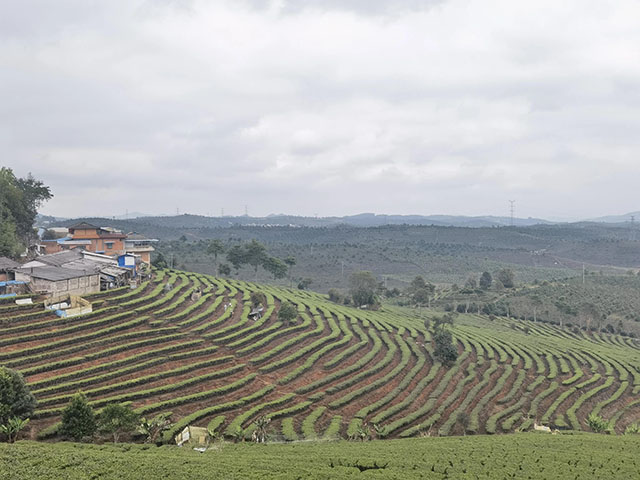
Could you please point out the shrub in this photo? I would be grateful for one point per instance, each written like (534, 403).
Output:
(634, 428)
(598, 424)
(287, 312)
(12, 427)
(78, 420)
(445, 351)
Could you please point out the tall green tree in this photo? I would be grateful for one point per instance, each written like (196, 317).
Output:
(236, 256)
(291, 262)
(420, 291)
(78, 419)
(275, 267)
(255, 255)
(486, 280)
(445, 350)
(362, 287)
(506, 277)
(116, 419)
(16, 400)
(215, 248)
(20, 199)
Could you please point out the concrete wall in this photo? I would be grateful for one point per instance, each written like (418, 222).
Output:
(75, 286)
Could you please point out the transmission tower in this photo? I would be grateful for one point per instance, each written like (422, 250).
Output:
(512, 209)
(632, 236)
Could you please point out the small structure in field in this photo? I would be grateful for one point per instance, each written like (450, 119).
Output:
(69, 306)
(541, 428)
(193, 437)
(256, 313)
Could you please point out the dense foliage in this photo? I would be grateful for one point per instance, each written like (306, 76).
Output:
(524, 456)
(78, 420)
(19, 202)
(16, 399)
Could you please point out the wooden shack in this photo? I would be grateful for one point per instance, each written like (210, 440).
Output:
(193, 437)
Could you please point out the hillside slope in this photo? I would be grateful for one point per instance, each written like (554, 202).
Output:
(323, 376)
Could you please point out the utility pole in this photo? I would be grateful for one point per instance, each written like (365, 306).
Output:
(342, 262)
(583, 273)
(633, 229)
(512, 209)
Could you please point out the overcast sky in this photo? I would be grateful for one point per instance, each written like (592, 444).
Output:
(324, 106)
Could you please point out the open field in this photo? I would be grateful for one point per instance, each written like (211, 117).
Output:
(328, 375)
(521, 456)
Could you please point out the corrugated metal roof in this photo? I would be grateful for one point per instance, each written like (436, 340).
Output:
(54, 274)
(60, 258)
(83, 264)
(7, 263)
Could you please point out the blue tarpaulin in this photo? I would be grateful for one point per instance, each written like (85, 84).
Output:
(11, 282)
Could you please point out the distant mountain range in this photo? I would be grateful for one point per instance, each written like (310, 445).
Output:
(617, 218)
(360, 220)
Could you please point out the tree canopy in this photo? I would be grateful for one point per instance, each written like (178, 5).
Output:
(287, 313)
(16, 400)
(506, 277)
(117, 419)
(255, 255)
(78, 419)
(420, 291)
(20, 199)
(363, 286)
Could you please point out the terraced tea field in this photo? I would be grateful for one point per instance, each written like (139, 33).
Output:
(323, 376)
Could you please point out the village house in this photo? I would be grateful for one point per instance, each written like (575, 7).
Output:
(102, 240)
(7, 266)
(9, 286)
(139, 245)
(110, 274)
(54, 280)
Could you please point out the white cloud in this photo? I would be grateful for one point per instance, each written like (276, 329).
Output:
(330, 107)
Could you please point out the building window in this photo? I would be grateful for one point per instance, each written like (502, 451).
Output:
(109, 245)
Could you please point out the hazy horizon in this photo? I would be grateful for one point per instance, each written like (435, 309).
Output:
(134, 215)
